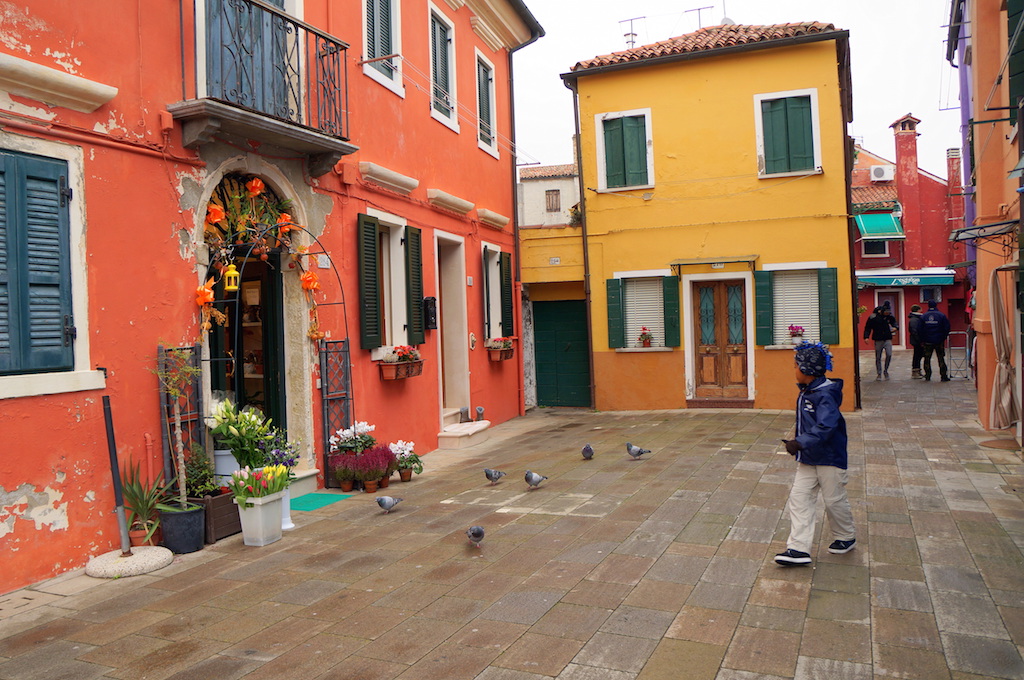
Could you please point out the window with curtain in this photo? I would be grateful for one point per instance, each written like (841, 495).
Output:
(796, 303)
(635, 302)
(802, 297)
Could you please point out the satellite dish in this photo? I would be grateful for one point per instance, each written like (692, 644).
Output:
(726, 21)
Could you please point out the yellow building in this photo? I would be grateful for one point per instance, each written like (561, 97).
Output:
(715, 204)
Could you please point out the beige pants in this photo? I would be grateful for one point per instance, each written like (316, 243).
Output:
(803, 498)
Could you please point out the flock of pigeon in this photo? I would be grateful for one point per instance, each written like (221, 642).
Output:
(533, 480)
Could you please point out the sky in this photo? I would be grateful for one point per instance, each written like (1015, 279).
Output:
(897, 51)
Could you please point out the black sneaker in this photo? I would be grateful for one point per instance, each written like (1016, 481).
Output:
(840, 547)
(792, 558)
(945, 379)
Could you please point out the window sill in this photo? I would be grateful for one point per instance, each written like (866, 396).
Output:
(447, 121)
(617, 190)
(788, 346)
(797, 173)
(626, 350)
(395, 85)
(36, 384)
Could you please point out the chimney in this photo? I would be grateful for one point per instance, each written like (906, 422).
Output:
(908, 189)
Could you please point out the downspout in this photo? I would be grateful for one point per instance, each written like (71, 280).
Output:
(536, 32)
(846, 100)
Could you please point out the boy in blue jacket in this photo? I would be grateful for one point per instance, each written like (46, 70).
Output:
(820, 451)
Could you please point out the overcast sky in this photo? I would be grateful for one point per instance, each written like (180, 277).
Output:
(897, 51)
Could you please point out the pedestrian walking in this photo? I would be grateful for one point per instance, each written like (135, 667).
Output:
(934, 329)
(879, 327)
(914, 331)
(821, 456)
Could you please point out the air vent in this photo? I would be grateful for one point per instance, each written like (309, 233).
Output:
(883, 173)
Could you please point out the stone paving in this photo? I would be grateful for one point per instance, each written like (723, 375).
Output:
(613, 569)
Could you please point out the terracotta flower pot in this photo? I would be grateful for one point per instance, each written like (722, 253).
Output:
(385, 481)
(346, 485)
(370, 486)
(405, 474)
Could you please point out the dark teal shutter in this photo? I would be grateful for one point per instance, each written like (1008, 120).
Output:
(828, 305)
(507, 308)
(764, 316)
(35, 267)
(414, 286)
(773, 127)
(634, 142)
(370, 335)
(800, 133)
(1015, 64)
(670, 300)
(614, 154)
(378, 35)
(483, 85)
(439, 64)
(487, 295)
(616, 316)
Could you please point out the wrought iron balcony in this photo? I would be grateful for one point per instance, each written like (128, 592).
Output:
(260, 74)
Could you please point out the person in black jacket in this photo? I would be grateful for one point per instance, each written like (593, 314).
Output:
(914, 330)
(934, 329)
(879, 327)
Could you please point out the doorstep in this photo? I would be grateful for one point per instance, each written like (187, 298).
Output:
(461, 435)
(304, 482)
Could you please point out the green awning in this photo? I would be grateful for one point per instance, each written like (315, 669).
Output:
(908, 280)
(879, 226)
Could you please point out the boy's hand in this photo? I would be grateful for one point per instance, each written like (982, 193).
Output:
(792, 446)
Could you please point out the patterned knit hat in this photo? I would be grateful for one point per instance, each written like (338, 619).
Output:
(813, 358)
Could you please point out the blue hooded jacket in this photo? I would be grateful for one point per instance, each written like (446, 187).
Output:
(820, 427)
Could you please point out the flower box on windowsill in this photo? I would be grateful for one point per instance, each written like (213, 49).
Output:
(400, 369)
(501, 354)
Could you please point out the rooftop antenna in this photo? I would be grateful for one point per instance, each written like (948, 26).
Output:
(697, 10)
(726, 21)
(631, 36)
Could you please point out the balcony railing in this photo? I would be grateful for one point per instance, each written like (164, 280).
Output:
(255, 68)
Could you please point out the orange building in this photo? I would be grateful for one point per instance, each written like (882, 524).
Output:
(381, 129)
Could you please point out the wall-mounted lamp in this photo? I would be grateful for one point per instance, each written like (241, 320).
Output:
(231, 277)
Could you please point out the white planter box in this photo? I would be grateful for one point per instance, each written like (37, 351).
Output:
(261, 519)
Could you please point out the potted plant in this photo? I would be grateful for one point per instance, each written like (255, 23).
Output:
(343, 470)
(242, 431)
(646, 337)
(402, 361)
(408, 462)
(345, 443)
(279, 450)
(221, 518)
(142, 501)
(258, 494)
(183, 522)
(796, 334)
(392, 460)
(499, 349)
(371, 465)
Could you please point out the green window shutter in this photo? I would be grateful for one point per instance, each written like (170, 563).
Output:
(483, 84)
(800, 133)
(414, 286)
(7, 362)
(828, 305)
(487, 295)
(670, 299)
(439, 63)
(614, 154)
(370, 327)
(1015, 64)
(634, 142)
(378, 35)
(763, 308)
(616, 316)
(773, 127)
(507, 308)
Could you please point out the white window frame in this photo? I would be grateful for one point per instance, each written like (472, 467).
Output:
(392, 280)
(492, 284)
(492, 149)
(397, 84)
(602, 175)
(815, 131)
(795, 302)
(863, 250)
(453, 121)
(82, 376)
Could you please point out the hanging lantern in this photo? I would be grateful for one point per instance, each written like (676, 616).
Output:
(231, 277)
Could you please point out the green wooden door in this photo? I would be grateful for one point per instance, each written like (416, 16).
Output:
(561, 353)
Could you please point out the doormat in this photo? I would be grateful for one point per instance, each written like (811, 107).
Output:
(1008, 444)
(317, 500)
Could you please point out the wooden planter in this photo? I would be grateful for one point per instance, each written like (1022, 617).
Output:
(221, 516)
(501, 354)
(399, 370)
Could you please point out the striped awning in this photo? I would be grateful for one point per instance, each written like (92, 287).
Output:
(879, 226)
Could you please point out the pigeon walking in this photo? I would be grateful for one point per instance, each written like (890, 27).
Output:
(387, 503)
(533, 479)
(475, 534)
(635, 451)
(588, 451)
(493, 475)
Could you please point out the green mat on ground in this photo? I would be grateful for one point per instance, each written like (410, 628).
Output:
(316, 500)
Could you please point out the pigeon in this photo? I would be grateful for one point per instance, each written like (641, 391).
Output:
(635, 451)
(475, 534)
(588, 451)
(533, 479)
(387, 503)
(493, 475)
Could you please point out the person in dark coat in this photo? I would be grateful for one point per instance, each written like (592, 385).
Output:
(914, 330)
(820, 451)
(879, 327)
(934, 329)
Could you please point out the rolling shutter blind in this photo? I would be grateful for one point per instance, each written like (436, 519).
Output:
(670, 301)
(616, 328)
(644, 305)
(795, 303)
(634, 142)
(414, 286)
(507, 308)
(483, 85)
(614, 154)
(828, 305)
(369, 283)
(763, 308)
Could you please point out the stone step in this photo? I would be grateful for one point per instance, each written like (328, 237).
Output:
(462, 435)
(450, 416)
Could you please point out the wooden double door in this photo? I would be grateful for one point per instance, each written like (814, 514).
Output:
(720, 339)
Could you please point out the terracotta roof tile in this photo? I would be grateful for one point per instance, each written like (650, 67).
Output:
(545, 171)
(707, 39)
(876, 193)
